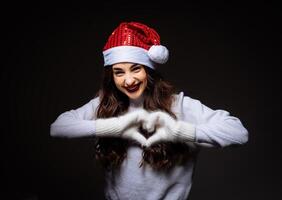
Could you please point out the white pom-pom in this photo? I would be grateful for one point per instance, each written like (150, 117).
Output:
(158, 54)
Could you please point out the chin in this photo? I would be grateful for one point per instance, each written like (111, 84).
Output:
(135, 95)
(130, 96)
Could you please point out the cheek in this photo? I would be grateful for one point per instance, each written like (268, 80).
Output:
(145, 78)
(145, 84)
(118, 82)
(145, 81)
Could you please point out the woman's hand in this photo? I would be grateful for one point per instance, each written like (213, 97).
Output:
(124, 126)
(167, 129)
(133, 133)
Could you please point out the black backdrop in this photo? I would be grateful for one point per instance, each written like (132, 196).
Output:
(226, 55)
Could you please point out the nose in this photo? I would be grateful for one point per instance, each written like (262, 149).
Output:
(129, 80)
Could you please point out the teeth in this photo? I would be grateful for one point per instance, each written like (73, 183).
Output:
(133, 88)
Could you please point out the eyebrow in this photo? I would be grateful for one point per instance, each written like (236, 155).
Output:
(132, 66)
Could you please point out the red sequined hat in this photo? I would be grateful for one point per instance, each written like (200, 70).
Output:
(134, 42)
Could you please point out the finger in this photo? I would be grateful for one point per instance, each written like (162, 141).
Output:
(159, 136)
(142, 115)
(133, 134)
(138, 137)
(163, 118)
(138, 116)
(150, 123)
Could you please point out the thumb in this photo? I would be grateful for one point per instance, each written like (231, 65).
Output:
(159, 136)
(150, 122)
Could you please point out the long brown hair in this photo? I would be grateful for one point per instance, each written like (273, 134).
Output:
(158, 95)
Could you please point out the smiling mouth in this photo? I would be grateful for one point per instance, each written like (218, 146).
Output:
(133, 88)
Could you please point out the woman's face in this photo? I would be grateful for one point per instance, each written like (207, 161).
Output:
(130, 79)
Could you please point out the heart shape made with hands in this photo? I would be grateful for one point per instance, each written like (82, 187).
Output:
(145, 132)
(155, 127)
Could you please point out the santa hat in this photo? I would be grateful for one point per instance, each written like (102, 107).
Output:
(137, 43)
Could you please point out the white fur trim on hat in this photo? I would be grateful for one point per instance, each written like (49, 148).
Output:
(127, 54)
(158, 54)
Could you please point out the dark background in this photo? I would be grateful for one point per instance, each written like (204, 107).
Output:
(226, 55)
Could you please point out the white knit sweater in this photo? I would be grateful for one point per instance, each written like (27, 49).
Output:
(213, 128)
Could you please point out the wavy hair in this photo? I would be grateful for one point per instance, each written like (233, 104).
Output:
(158, 95)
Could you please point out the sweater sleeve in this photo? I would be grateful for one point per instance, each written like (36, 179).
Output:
(76, 123)
(214, 128)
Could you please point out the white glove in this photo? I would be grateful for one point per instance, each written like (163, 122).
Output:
(133, 133)
(124, 126)
(167, 129)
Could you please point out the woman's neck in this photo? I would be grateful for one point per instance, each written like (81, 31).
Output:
(137, 103)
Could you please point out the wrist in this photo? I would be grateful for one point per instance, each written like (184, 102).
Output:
(185, 131)
(108, 126)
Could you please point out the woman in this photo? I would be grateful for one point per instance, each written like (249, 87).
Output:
(147, 136)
